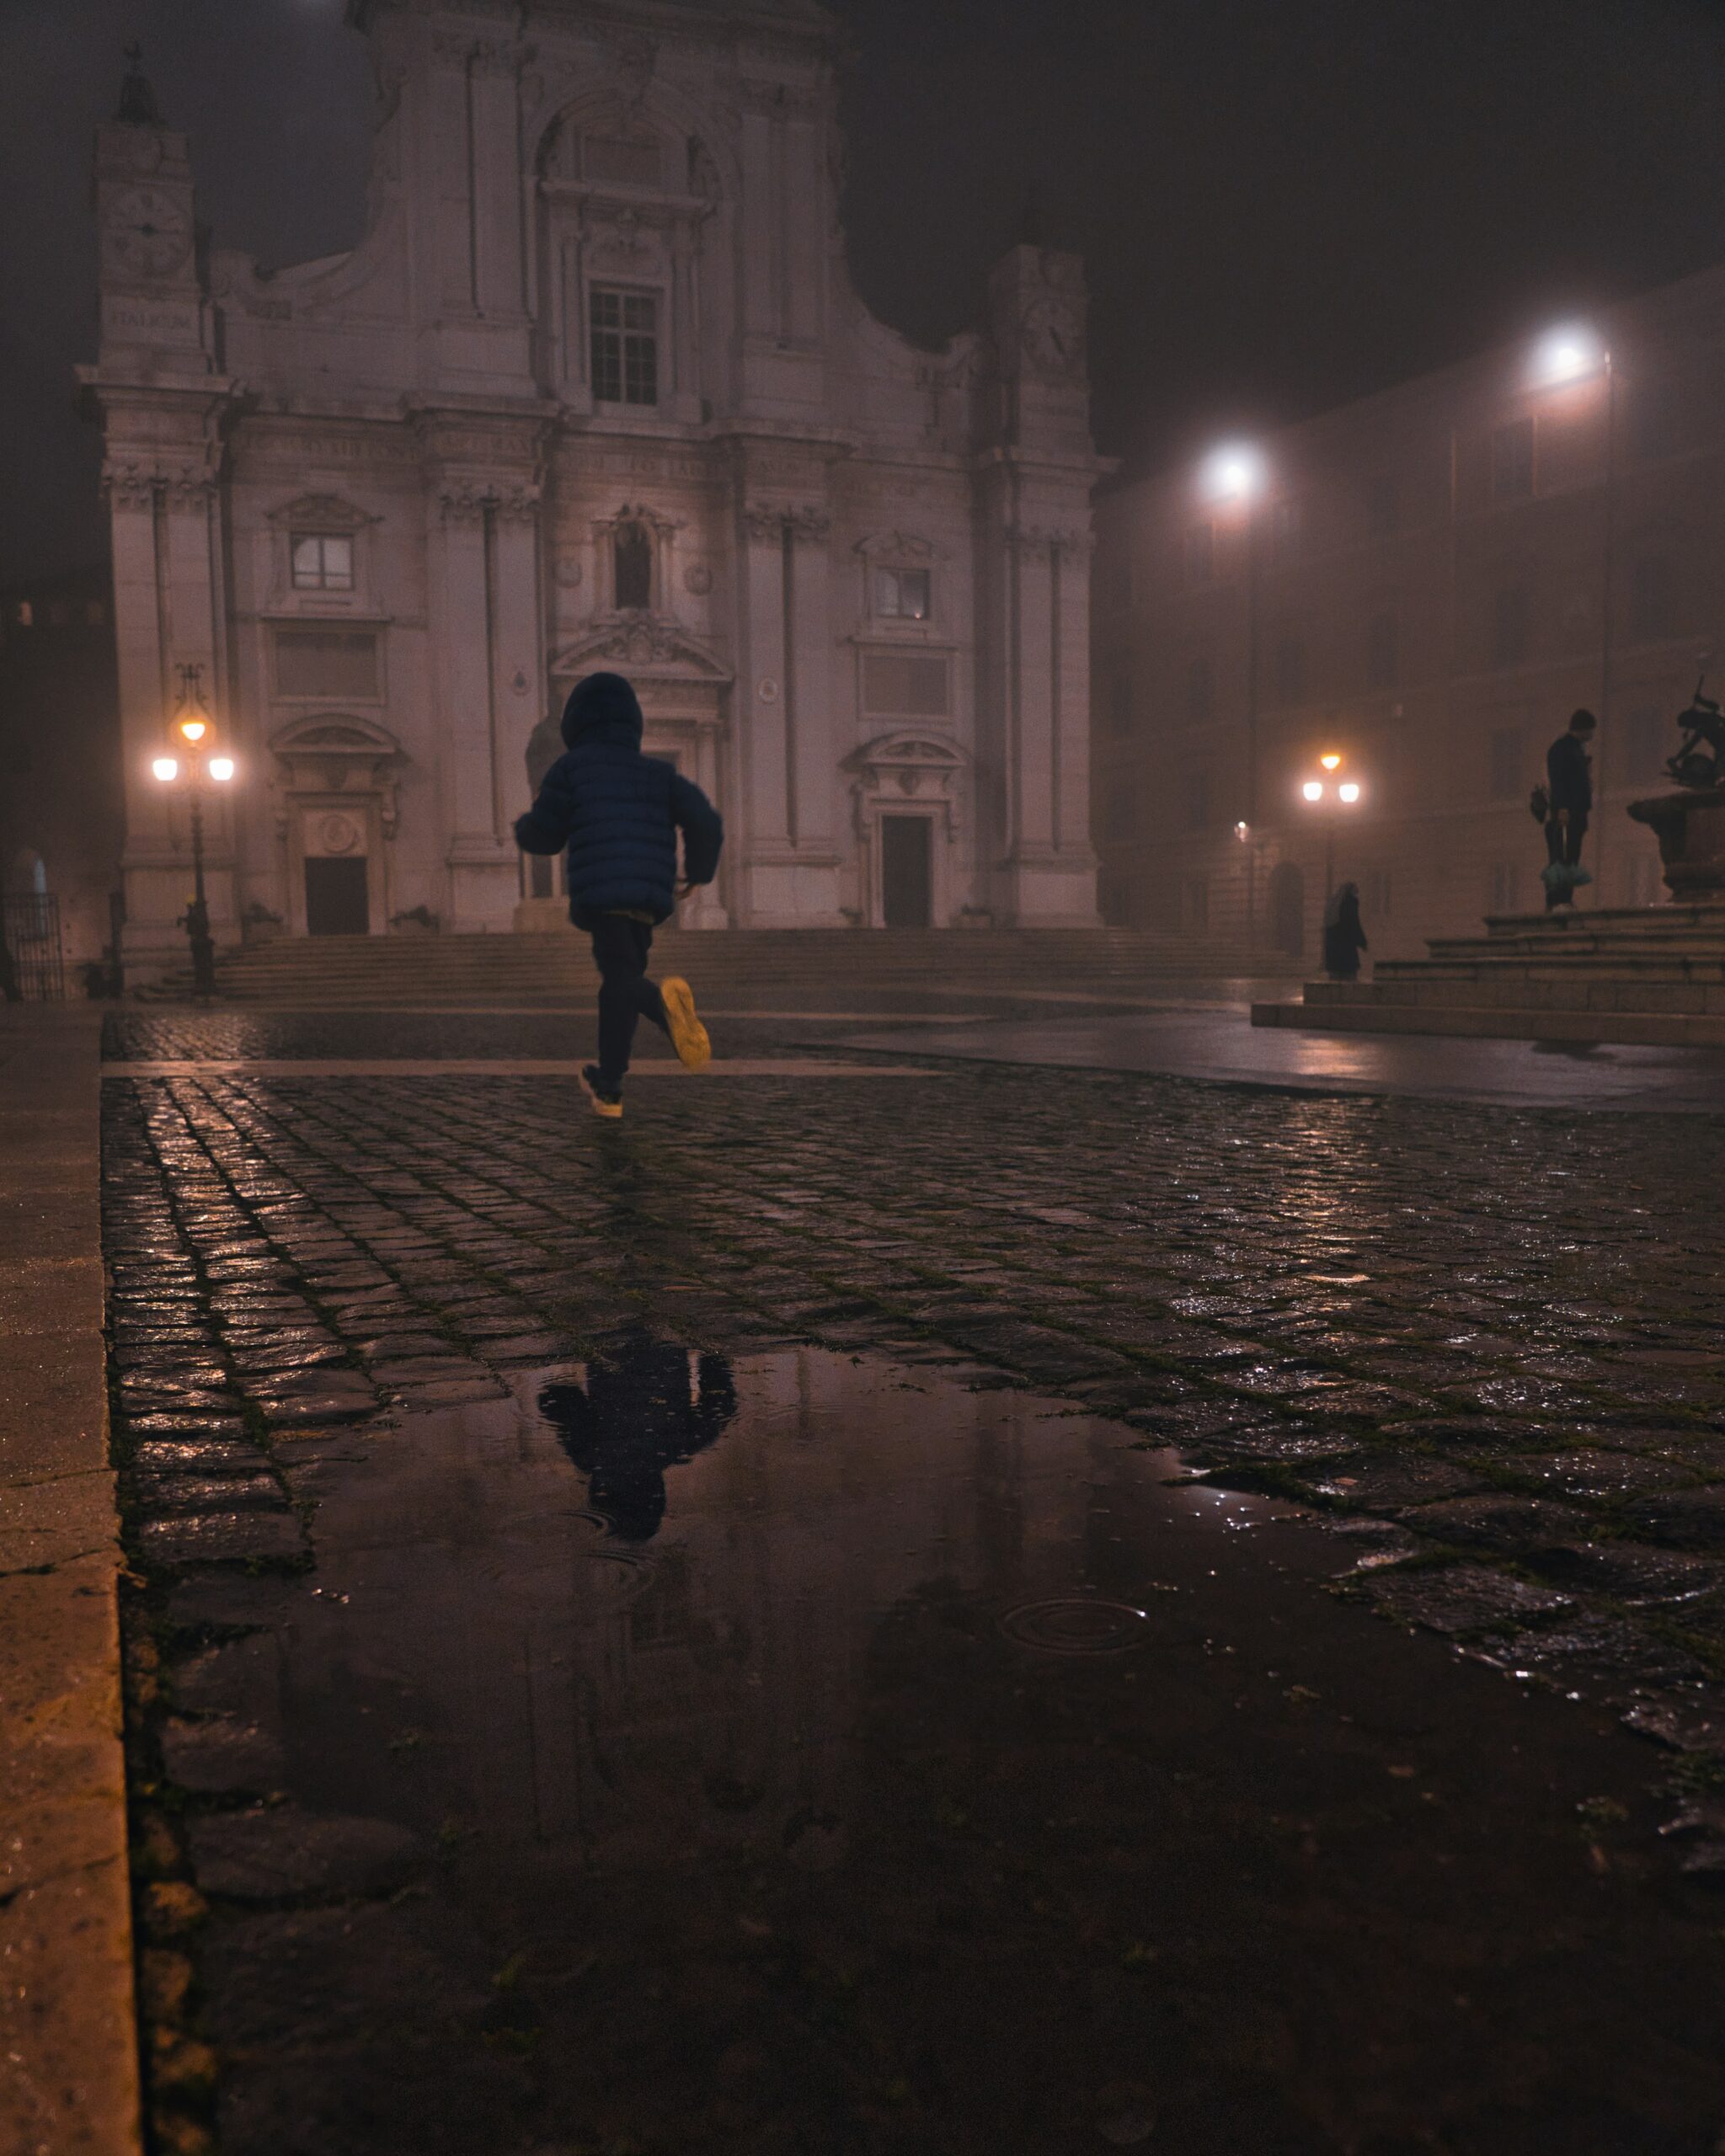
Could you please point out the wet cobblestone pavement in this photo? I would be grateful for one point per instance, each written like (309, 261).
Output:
(1484, 1346)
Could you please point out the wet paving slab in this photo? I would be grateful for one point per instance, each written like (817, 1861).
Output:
(798, 1750)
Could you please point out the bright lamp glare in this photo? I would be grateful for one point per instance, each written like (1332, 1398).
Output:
(1232, 473)
(193, 729)
(221, 769)
(1350, 792)
(1313, 789)
(1565, 355)
(165, 768)
(1330, 762)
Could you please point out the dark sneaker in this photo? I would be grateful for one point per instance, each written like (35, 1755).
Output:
(605, 1102)
(688, 1036)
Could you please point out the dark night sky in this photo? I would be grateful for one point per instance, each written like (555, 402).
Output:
(1283, 203)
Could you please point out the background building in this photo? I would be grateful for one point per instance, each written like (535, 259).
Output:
(594, 390)
(1426, 583)
(61, 816)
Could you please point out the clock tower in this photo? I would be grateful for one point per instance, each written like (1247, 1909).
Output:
(152, 307)
(163, 409)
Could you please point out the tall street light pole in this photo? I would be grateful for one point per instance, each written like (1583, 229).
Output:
(1566, 359)
(1333, 794)
(195, 733)
(1232, 476)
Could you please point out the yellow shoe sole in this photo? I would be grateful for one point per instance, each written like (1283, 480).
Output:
(611, 1110)
(688, 1036)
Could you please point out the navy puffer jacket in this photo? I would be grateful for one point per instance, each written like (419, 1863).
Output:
(617, 811)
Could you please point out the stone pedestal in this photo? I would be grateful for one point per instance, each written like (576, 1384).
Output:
(1689, 825)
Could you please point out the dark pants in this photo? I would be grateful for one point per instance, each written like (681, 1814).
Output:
(620, 950)
(1563, 844)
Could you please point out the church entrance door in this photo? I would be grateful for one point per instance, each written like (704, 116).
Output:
(907, 871)
(337, 902)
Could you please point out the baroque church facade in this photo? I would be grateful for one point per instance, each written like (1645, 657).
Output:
(594, 390)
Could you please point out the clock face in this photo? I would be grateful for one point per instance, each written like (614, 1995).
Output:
(148, 233)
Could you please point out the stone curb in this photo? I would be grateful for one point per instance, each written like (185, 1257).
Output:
(67, 2024)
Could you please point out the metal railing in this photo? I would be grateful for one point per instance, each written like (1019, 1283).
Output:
(32, 965)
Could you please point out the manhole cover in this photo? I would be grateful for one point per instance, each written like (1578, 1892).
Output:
(1077, 1625)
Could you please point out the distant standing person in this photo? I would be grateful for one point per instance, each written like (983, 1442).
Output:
(619, 813)
(1569, 789)
(1345, 937)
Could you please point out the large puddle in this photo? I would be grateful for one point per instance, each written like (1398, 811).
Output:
(802, 1754)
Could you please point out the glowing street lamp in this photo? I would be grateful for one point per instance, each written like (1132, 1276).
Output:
(1566, 355)
(1233, 472)
(194, 729)
(1341, 793)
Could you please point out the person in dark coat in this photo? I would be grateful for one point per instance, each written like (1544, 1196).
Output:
(1344, 938)
(638, 1415)
(619, 813)
(1569, 789)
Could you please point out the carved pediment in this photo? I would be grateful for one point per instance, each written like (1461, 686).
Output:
(905, 750)
(337, 733)
(646, 651)
(320, 513)
(897, 546)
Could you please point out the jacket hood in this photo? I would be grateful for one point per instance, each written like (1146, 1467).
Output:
(602, 700)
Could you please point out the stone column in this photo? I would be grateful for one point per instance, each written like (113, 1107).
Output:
(483, 875)
(518, 691)
(141, 650)
(808, 714)
(766, 806)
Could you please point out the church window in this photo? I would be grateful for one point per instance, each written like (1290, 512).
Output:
(625, 347)
(336, 663)
(632, 550)
(904, 687)
(901, 594)
(622, 162)
(323, 562)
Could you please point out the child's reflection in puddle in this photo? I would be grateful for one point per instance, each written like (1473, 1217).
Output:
(642, 1409)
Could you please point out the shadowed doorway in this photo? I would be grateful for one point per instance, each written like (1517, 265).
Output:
(337, 900)
(907, 872)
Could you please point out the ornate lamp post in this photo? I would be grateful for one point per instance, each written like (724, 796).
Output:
(1333, 795)
(194, 727)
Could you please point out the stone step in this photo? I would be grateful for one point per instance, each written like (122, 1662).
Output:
(1626, 1028)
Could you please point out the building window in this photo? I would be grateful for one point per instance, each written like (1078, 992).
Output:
(1650, 597)
(336, 664)
(625, 347)
(901, 594)
(632, 562)
(1377, 893)
(900, 686)
(1289, 669)
(1383, 656)
(1383, 507)
(1512, 461)
(1506, 887)
(1287, 527)
(1200, 696)
(322, 561)
(1510, 626)
(1509, 772)
(1194, 800)
(1200, 553)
